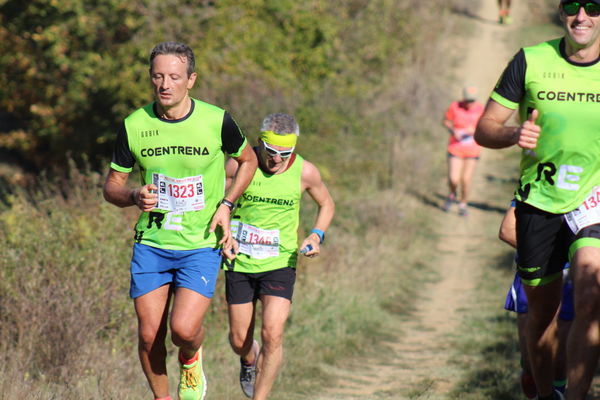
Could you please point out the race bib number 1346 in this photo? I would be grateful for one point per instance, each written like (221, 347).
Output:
(255, 242)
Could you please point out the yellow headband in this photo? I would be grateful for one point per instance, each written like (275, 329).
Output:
(285, 140)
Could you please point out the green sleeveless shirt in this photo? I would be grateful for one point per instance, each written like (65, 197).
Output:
(190, 147)
(272, 203)
(564, 167)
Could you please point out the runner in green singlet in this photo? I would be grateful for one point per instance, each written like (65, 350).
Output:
(265, 226)
(556, 87)
(179, 144)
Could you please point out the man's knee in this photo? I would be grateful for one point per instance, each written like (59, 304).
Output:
(586, 270)
(587, 297)
(587, 263)
(184, 332)
(240, 341)
(272, 338)
(151, 340)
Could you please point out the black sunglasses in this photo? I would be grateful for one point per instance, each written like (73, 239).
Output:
(572, 8)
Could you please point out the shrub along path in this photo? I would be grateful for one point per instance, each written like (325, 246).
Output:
(420, 358)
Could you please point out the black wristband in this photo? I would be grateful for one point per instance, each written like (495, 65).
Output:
(228, 204)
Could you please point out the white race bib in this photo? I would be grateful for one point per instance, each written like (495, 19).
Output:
(466, 139)
(179, 194)
(586, 214)
(255, 242)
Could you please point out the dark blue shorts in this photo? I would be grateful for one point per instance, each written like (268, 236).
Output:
(152, 268)
(516, 299)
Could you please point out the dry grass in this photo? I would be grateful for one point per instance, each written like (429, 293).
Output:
(67, 328)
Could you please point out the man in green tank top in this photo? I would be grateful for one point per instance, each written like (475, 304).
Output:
(179, 144)
(556, 87)
(262, 263)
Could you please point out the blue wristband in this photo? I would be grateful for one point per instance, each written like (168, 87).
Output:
(320, 233)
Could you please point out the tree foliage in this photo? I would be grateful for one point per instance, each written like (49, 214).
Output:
(74, 68)
(64, 76)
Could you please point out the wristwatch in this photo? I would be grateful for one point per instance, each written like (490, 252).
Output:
(228, 204)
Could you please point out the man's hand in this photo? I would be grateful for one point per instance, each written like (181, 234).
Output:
(529, 133)
(230, 252)
(311, 244)
(221, 218)
(458, 134)
(145, 198)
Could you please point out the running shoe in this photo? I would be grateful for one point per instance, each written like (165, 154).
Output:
(507, 20)
(558, 395)
(247, 378)
(528, 385)
(248, 374)
(448, 203)
(463, 211)
(192, 382)
(562, 388)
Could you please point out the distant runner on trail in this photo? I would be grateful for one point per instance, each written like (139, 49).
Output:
(461, 119)
(504, 12)
(516, 301)
(556, 87)
(179, 144)
(265, 227)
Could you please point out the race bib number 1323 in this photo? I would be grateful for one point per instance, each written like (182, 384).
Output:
(179, 194)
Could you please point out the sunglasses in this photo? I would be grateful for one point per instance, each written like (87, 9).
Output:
(572, 8)
(281, 153)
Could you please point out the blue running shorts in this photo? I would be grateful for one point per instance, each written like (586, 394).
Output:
(516, 299)
(152, 268)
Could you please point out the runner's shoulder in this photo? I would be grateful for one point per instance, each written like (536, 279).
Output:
(310, 173)
(207, 106)
(548, 51)
(145, 110)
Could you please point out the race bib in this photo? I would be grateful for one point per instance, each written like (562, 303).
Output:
(465, 137)
(179, 194)
(586, 214)
(255, 242)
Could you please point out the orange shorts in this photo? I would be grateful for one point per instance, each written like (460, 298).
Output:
(461, 150)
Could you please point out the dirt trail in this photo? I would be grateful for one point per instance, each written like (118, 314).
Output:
(417, 365)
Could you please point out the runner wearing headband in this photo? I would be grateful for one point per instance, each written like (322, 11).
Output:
(265, 225)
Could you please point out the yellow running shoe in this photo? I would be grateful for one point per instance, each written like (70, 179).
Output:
(192, 382)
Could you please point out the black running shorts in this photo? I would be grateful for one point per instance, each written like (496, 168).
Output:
(241, 287)
(544, 241)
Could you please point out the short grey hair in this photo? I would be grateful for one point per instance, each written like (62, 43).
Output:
(178, 49)
(281, 124)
